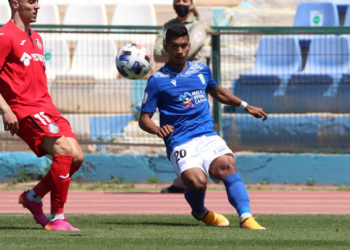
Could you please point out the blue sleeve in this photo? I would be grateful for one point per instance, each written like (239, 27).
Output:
(211, 82)
(150, 99)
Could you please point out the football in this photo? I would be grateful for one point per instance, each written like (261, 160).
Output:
(133, 61)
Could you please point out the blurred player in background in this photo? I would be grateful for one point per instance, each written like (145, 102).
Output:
(179, 91)
(188, 16)
(28, 111)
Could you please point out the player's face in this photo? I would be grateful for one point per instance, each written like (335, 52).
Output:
(27, 9)
(177, 49)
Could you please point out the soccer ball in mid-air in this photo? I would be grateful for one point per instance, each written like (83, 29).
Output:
(133, 61)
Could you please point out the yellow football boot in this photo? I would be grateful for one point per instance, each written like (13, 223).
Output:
(212, 219)
(251, 223)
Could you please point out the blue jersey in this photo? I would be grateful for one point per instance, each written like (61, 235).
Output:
(182, 102)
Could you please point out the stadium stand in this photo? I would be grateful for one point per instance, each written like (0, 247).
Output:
(84, 14)
(316, 88)
(314, 14)
(57, 56)
(143, 15)
(93, 60)
(346, 76)
(107, 98)
(342, 5)
(347, 17)
(276, 59)
(312, 90)
(48, 14)
(327, 61)
(5, 12)
(100, 104)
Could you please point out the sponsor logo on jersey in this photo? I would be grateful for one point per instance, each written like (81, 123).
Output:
(22, 43)
(173, 82)
(202, 78)
(186, 99)
(53, 128)
(190, 99)
(27, 58)
(38, 43)
(38, 57)
(145, 97)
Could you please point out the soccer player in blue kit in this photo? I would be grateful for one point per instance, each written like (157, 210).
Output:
(179, 91)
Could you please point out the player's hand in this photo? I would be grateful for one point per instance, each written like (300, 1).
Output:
(10, 121)
(256, 112)
(165, 131)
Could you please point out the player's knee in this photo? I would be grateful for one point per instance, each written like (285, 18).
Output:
(197, 184)
(224, 169)
(63, 148)
(78, 159)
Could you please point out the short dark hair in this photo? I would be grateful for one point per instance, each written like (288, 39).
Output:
(177, 29)
(10, 2)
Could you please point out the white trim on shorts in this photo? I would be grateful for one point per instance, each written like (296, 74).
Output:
(199, 153)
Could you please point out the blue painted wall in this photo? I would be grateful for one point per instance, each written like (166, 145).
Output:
(271, 168)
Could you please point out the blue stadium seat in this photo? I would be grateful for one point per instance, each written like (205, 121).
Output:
(305, 9)
(346, 76)
(276, 59)
(305, 16)
(342, 5)
(328, 59)
(347, 17)
(318, 88)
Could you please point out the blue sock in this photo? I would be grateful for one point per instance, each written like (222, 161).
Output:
(237, 194)
(196, 202)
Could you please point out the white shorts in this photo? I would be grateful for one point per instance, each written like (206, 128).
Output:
(199, 153)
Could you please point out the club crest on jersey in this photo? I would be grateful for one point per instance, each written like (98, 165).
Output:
(53, 128)
(201, 76)
(186, 99)
(38, 43)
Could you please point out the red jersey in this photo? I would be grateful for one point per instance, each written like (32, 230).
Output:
(22, 72)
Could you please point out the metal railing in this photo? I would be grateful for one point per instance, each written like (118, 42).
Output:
(306, 114)
(298, 75)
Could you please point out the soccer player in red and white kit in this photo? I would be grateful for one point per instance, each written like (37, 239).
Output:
(28, 111)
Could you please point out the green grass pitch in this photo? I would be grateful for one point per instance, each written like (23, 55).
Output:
(178, 232)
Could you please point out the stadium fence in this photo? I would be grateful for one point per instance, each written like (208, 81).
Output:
(300, 76)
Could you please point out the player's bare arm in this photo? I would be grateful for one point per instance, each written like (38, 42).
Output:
(9, 118)
(146, 124)
(226, 97)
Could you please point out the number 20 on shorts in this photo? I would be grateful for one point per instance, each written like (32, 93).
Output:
(180, 154)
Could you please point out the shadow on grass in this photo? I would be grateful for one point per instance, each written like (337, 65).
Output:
(20, 228)
(141, 192)
(156, 224)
